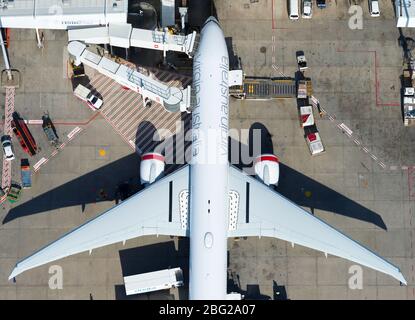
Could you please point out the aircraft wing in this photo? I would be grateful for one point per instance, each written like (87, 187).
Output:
(264, 212)
(155, 210)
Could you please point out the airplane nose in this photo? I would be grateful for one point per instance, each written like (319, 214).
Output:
(211, 19)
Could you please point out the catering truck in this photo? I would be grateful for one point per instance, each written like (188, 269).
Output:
(153, 281)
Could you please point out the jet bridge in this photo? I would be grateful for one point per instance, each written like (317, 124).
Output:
(125, 36)
(173, 99)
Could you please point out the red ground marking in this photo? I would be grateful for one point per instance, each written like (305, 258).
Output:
(274, 22)
(377, 93)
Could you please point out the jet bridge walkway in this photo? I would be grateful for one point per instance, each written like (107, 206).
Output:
(265, 88)
(126, 36)
(173, 99)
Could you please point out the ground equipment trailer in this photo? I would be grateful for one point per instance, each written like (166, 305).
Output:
(23, 134)
(26, 175)
(257, 88)
(153, 281)
(408, 97)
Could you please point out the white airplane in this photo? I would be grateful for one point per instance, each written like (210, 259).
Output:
(208, 201)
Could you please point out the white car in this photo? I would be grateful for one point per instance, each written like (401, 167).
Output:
(6, 142)
(374, 8)
(94, 102)
(307, 9)
(86, 95)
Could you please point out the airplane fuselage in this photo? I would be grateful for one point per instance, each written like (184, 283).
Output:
(209, 167)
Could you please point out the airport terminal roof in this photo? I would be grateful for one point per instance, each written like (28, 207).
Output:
(65, 7)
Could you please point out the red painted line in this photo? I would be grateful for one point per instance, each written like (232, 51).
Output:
(409, 182)
(274, 23)
(377, 82)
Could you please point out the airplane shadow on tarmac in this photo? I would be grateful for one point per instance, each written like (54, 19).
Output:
(292, 184)
(86, 189)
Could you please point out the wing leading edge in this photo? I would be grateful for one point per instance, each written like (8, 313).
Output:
(153, 211)
(264, 212)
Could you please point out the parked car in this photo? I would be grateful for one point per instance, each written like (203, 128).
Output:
(6, 143)
(86, 95)
(307, 9)
(374, 8)
(321, 4)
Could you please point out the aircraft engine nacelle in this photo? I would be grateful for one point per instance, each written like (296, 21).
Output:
(151, 167)
(267, 169)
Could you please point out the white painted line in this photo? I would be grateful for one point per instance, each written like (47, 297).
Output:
(357, 142)
(365, 149)
(314, 101)
(54, 153)
(39, 163)
(62, 145)
(346, 129)
(34, 121)
(382, 164)
(73, 132)
(404, 167)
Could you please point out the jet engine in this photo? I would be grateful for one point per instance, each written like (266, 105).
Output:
(267, 169)
(151, 167)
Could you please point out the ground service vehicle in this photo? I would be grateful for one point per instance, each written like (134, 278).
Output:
(293, 7)
(6, 143)
(23, 134)
(78, 71)
(301, 61)
(153, 281)
(307, 9)
(313, 140)
(374, 8)
(86, 95)
(49, 130)
(14, 192)
(321, 4)
(26, 175)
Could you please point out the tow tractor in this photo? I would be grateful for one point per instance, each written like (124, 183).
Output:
(301, 61)
(49, 130)
(78, 71)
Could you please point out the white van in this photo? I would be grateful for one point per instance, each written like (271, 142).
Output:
(294, 12)
(374, 8)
